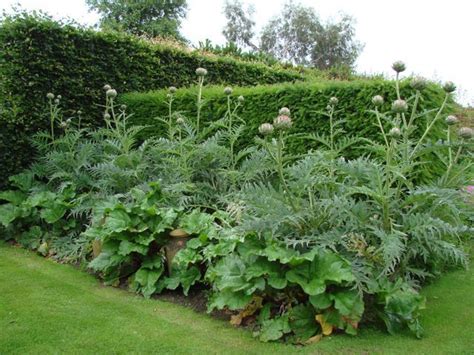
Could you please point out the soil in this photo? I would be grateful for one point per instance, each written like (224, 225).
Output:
(196, 300)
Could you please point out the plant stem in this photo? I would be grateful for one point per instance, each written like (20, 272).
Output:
(452, 162)
(170, 118)
(450, 150)
(428, 129)
(229, 132)
(51, 118)
(397, 85)
(280, 170)
(331, 123)
(413, 111)
(385, 205)
(377, 113)
(199, 104)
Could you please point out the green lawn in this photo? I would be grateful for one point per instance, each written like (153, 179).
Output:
(50, 308)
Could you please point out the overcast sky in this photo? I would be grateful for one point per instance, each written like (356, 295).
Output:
(435, 38)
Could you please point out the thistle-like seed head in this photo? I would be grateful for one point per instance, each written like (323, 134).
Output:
(333, 101)
(111, 93)
(59, 97)
(107, 116)
(265, 129)
(228, 91)
(123, 107)
(241, 99)
(50, 95)
(79, 112)
(399, 66)
(172, 89)
(201, 72)
(418, 83)
(466, 133)
(395, 132)
(106, 87)
(284, 111)
(282, 122)
(399, 106)
(451, 120)
(377, 100)
(449, 87)
(56, 101)
(180, 120)
(63, 124)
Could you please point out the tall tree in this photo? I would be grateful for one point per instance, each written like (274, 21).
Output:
(335, 45)
(239, 29)
(290, 36)
(297, 35)
(141, 17)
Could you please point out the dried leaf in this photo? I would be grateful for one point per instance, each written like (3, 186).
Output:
(326, 327)
(314, 339)
(249, 310)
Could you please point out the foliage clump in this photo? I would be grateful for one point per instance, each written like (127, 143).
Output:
(39, 55)
(296, 246)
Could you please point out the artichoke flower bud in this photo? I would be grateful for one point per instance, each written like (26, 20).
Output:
(284, 111)
(59, 97)
(282, 122)
(228, 91)
(399, 66)
(111, 93)
(399, 106)
(377, 100)
(106, 116)
(79, 112)
(418, 83)
(172, 89)
(56, 101)
(395, 132)
(123, 107)
(333, 101)
(201, 72)
(106, 87)
(63, 124)
(466, 133)
(50, 95)
(241, 99)
(265, 129)
(449, 87)
(451, 120)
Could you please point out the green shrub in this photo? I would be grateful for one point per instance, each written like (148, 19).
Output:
(298, 245)
(39, 55)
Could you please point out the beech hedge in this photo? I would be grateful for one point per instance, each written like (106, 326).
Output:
(39, 55)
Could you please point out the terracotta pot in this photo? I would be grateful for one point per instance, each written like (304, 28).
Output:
(178, 241)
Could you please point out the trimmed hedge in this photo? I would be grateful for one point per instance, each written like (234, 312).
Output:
(305, 100)
(39, 55)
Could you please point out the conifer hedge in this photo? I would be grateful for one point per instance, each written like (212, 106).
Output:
(306, 101)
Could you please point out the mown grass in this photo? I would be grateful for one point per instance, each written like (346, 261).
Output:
(50, 308)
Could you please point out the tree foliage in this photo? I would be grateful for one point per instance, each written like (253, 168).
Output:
(141, 17)
(239, 28)
(297, 35)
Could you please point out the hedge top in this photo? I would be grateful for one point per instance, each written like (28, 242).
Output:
(40, 55)
(306, 100)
